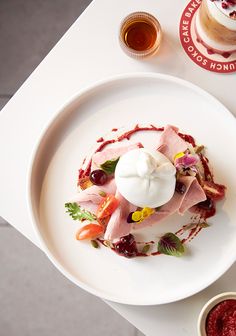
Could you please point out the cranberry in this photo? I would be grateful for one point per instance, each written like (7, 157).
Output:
(207, 204)
(231, 2)
(224, 5)
(233, 14)
(180, 187)
(125, 250)
(98, 177)
(126, 247)
(127, 239)
(206, 208)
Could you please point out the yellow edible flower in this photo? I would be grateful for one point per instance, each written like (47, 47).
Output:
(136, 216)
(139, 216)
(179, 155)
(146, 212)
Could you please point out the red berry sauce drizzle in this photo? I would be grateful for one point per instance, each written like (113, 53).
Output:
(100, 139)
(127, 246)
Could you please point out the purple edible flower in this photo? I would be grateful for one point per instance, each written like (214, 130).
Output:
(186, 161)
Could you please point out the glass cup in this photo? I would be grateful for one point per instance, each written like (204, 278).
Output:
(140, 35)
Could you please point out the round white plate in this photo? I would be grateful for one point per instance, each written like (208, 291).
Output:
(124, 100)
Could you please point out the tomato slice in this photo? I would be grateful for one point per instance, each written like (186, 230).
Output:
(107, 206)
(89, 231)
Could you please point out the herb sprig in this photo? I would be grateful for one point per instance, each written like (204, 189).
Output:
(77, 213)
(109, 166)
(170, 244)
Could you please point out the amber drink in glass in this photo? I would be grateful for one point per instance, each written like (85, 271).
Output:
(140, 35)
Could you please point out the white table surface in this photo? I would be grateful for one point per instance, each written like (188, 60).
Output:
(88, 52)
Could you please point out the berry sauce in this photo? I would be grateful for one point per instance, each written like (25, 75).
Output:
(126, 247)
(188, 138)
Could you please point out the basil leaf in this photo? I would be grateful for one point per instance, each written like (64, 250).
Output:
(170, 244)
(109, 166)
(77, 213)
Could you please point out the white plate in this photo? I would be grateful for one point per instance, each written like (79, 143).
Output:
(124, 100)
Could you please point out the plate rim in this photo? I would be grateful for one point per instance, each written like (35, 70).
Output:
(33, 156)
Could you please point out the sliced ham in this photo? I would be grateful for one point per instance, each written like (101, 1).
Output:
(165, 211)
(111, 154)
(154, 219)
(89, 198)
(171, 143)
(194, 195)
(89, 206)
(117, 225)
(179, 202)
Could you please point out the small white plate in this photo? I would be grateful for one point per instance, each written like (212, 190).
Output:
(136, 98)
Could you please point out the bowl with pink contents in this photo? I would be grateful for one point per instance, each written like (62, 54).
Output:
(218, 316)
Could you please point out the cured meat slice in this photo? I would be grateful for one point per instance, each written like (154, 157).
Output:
(89, 198)
(111, 154)
(171, 143)
(179, 202)
(194, 194)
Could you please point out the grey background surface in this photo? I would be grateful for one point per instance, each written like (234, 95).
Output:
(35, 299)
